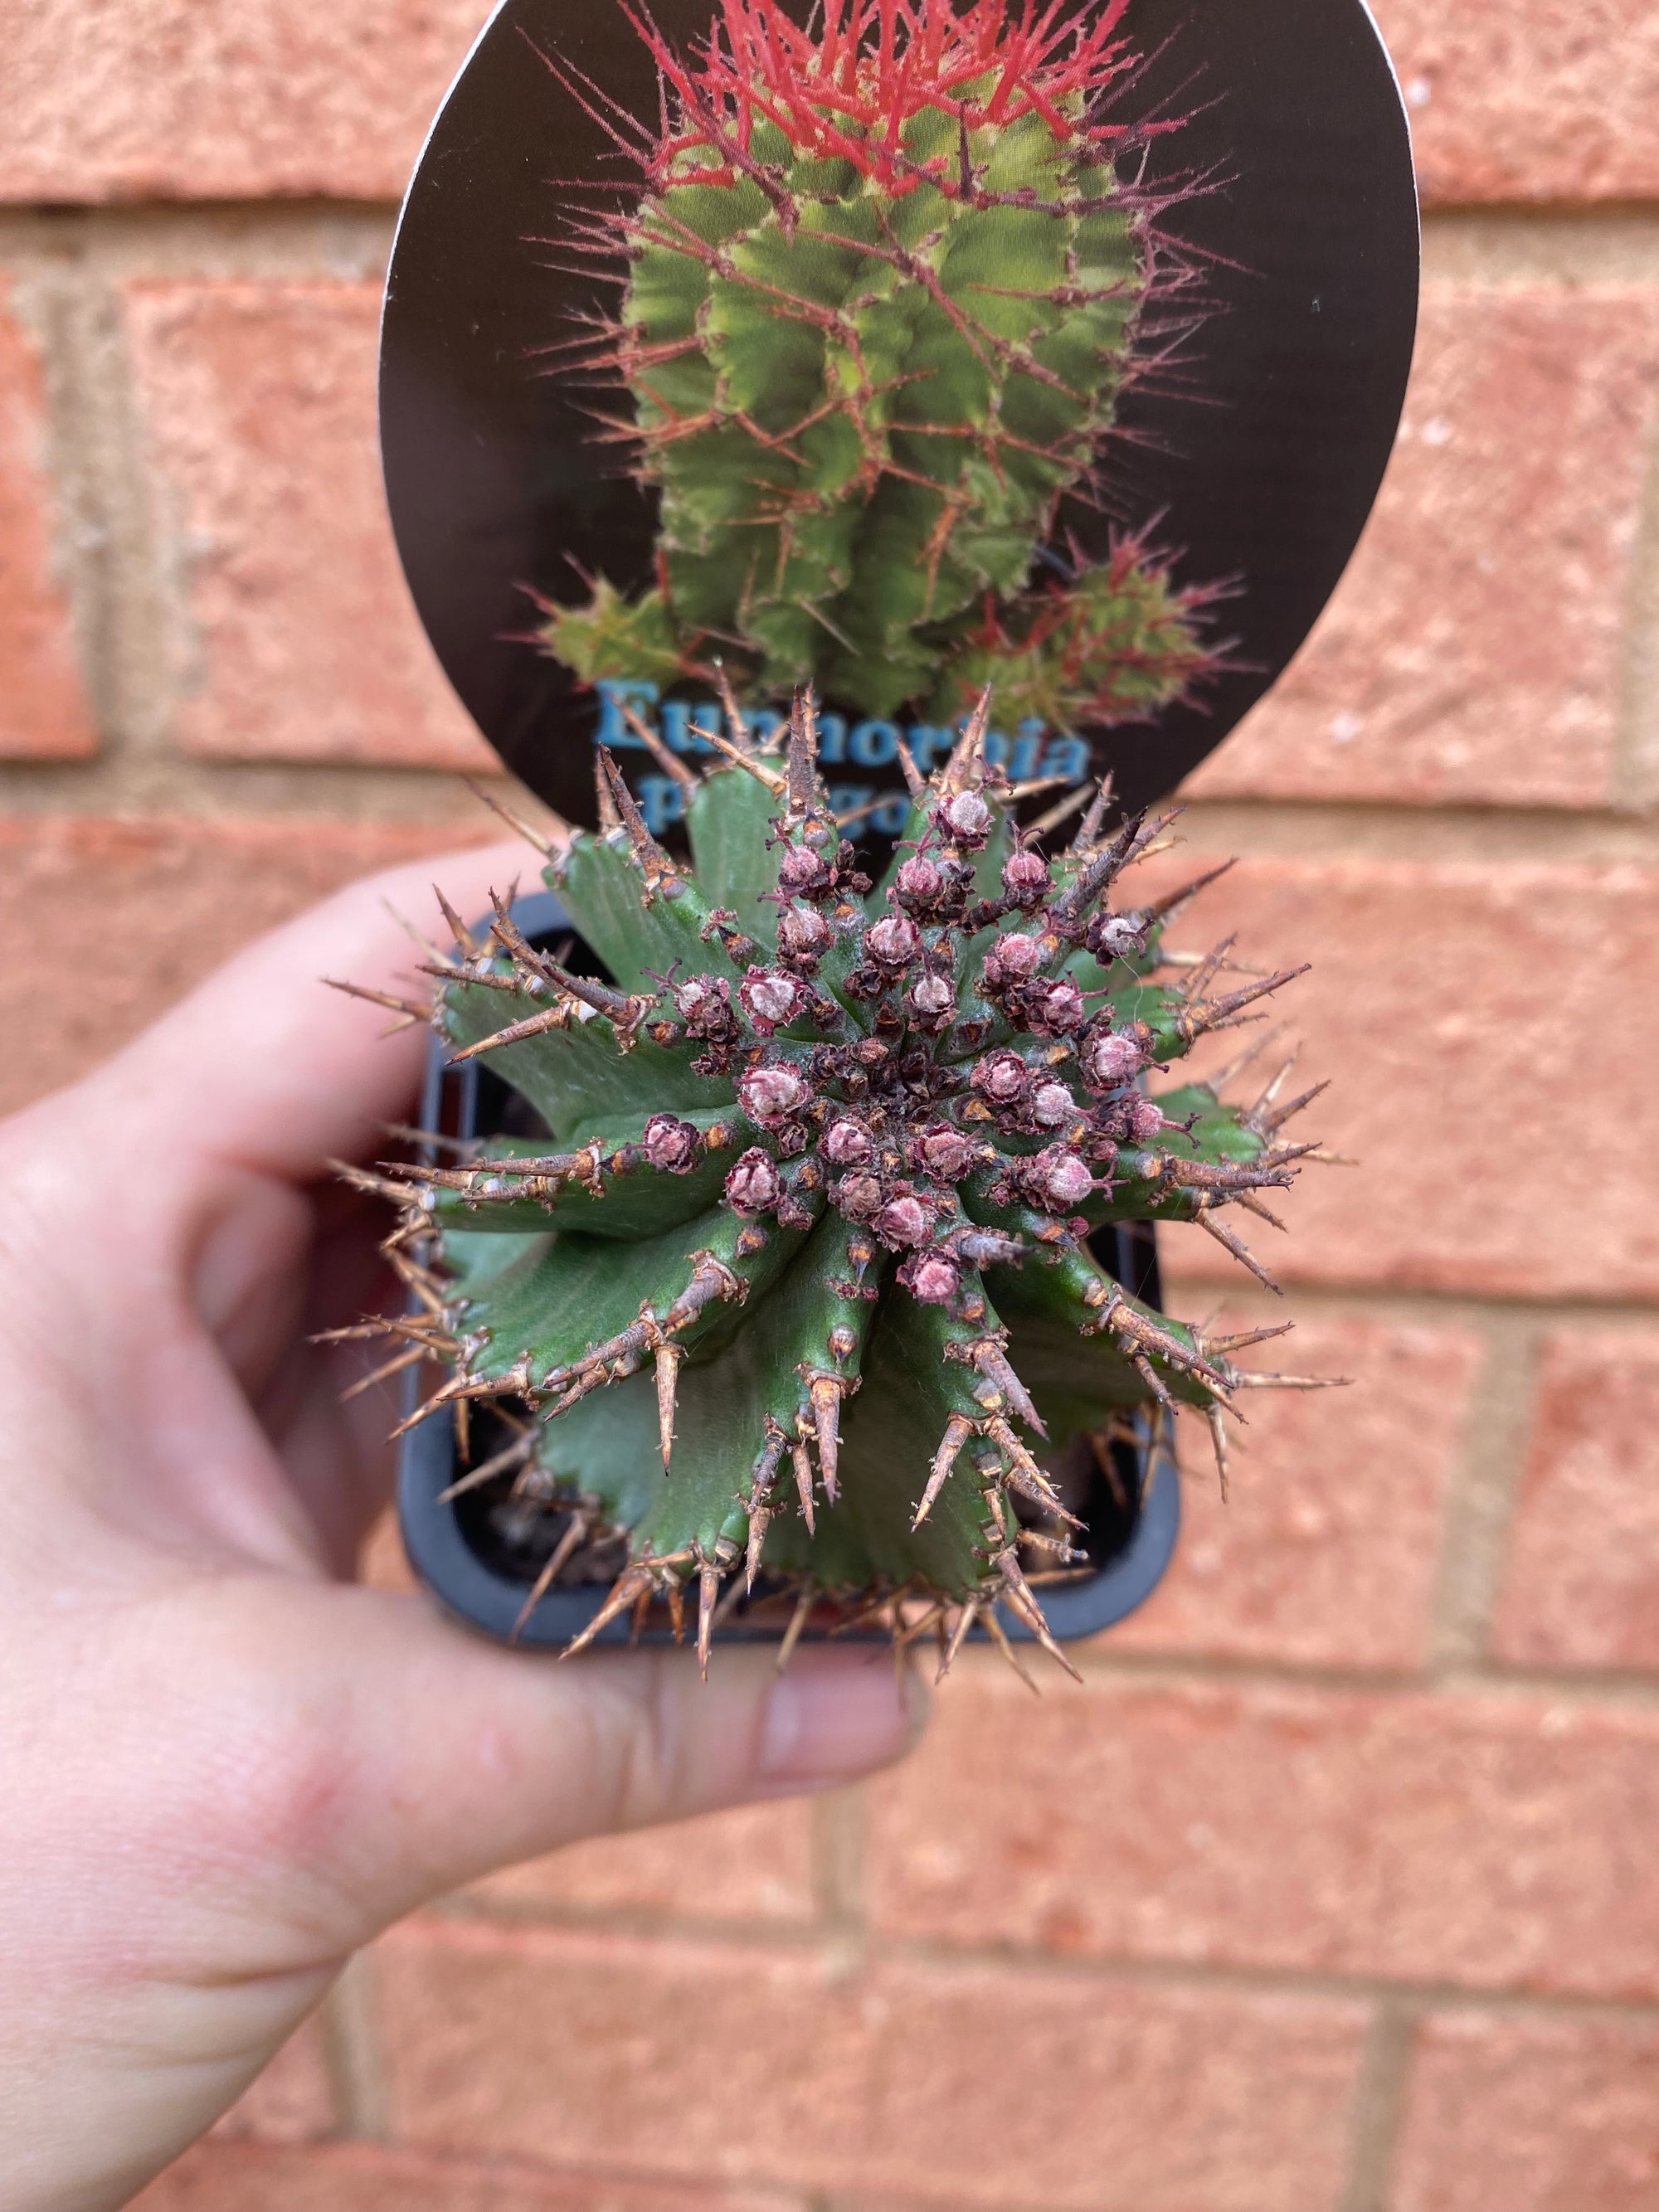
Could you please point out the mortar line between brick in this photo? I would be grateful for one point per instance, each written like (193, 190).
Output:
(1105, 1969)
(1481, 1498)
(1378, 2107)
(355, 2057)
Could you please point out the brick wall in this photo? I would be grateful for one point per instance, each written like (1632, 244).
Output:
(1333, 1888)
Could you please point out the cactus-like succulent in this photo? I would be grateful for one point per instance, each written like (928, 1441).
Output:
(886, 286)
(798, 1282)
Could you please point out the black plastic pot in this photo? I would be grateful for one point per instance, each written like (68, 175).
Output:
(483, 1579)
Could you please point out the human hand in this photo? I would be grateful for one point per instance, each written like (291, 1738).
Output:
(226, 1768)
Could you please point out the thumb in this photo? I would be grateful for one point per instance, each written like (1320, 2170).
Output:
(431, 1758)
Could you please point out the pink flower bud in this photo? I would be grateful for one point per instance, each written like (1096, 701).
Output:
(848, 1144)
(1002, 1077)
(1111, 1059)
(894, 941)
(1056, 1009)
(769, 1000)
(699, 999)
(966, 818)
(903, 1220)
(945, 1152)
(1115, 937)
(858, 1196)
(922, 886)
(933, 998)
(1011, 960)
(670, 1144)
(1052, 1105)
(799, 870)
(754, 1186)
(804, 935)
(1025, 875)
(1058, 1179)
(932, 1278)
(1145, 1120)
(767, 1093)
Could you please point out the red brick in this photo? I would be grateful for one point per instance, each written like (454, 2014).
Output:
(1475, 651)
(1507, 2115)
(1326, 1550)
(1545, 102)
(141, 98)
(292, 2102)
(972, 2085)
(1492, 1842)
(147, 908)
(1548, 99)
(1582, 1586)
(358, 2178)
(1481, 1024)
(752, 1864)
(297, 639)
(44, 713)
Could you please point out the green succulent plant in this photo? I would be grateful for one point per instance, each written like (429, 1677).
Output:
(885, 288)
(797, 1284)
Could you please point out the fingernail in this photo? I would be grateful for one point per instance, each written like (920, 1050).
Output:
(835, 1716)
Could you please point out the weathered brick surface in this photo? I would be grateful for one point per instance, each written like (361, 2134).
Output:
(1484, 1840)
(1583, 1585)
(1550, 99)
(755, 1864)
(358, 2178)
(1475, 650)
(137, 98)
(1326, 1551)
(1479, 1024)
(1530, 2116)
(292, 2102)
(966, 2084)
(43, 713)
(294, 638)
(1539, 102)
(140, 910)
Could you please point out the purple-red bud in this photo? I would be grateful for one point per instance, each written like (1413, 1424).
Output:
(1055, 1009)
(1002, 1077)
(933, 1000)
(1115, 937)
(966, 818)
(769, 1093)
(1011, 960)
(769, 1000)
(1111, 1059)
(892, 942)
(670, 1144)
(1058, 1179)
(1052, 1105)
(1145, 1120)
(754, 1185)
(922, 886)
(933, 1277)
(803, 934)
(1025, 877)
(701, 1000)
(945, 1152)
(903, 1220)
(799, 870)
(858, 1196)
(848, 1144)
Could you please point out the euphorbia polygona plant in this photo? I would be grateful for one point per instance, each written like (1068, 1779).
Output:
(885, 288)
(798, 1283)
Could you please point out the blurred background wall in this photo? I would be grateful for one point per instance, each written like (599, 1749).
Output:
(1336, 1887)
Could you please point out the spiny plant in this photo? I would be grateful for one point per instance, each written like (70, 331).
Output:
(799, 1283)
(886, 286)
